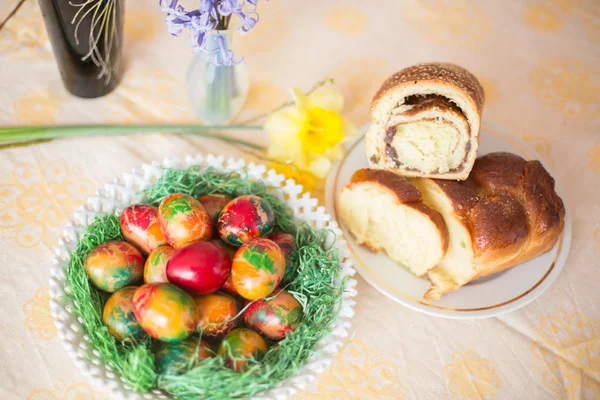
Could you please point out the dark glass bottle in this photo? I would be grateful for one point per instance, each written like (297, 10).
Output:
(87, 39)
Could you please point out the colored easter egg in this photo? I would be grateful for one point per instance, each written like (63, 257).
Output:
(165, 311)
(257, 268)
(244, 218)
(155, 268)
(183, 220)
(287, 244)
(239, 345)
(139, 225)
(118, 315)
(199, 268)
(275, 317)
(173, 358)
(113, 265)
(228, 286)
(213, 310)
(214, 204)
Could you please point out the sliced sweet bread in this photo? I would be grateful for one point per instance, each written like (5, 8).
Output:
(383, 211)
(425, 122)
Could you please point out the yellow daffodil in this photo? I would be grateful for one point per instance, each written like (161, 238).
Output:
(310, 133)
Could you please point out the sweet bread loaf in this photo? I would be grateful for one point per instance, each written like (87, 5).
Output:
(425, 122)
(505, 213)
(383, 211)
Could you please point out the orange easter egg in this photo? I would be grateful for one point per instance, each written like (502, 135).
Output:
(118, 315)
(275, 317)
(114, 265)
(183, 220)
(239, 345)
(165, 311)
(258, 268)
(214, 310)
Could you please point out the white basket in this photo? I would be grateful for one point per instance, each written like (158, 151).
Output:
(126, 191)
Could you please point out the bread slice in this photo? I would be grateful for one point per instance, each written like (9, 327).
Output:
(383, 211)
(426, 121)
(506, 213)
(453, 200)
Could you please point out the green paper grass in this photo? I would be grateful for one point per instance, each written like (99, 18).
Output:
(314, 286)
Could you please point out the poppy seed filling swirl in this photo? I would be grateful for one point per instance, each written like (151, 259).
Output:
(427, 133)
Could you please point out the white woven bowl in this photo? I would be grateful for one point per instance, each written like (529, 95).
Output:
(126, 191)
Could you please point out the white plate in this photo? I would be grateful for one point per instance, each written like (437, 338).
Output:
(485, 297)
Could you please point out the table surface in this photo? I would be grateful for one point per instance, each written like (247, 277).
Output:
(539, 62)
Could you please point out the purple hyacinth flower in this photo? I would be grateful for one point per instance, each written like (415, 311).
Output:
(206, 19)
(249, 21)
(227, 7)
(176, 18)
(208, 7)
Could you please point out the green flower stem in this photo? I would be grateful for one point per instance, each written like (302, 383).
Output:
(36, 133)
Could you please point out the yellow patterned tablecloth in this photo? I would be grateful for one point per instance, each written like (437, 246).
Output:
(539, 62)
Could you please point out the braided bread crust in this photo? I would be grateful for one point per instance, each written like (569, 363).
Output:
(505, 213)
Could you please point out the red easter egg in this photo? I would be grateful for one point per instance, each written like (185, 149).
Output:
(139, 225)
(199, 268)
(244, 218)
(275, 317)
(214, 204)
(183, 220)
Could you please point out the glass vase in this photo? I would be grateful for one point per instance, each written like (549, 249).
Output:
(87, 39)
(216, 92)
